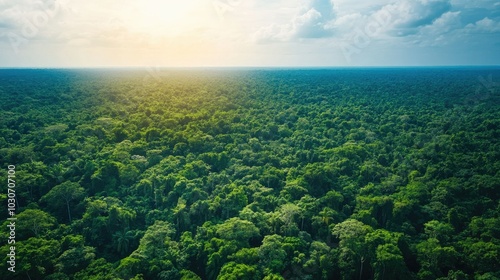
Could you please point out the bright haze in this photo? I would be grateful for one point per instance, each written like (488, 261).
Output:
(292, 33)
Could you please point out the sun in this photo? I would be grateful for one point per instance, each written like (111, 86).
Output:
(163, 17)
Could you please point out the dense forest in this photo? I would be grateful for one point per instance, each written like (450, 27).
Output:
(252, 173)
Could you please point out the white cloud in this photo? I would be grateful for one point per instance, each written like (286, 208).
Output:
(313, 21)
(410, 16)
(486, 25)
(443, 31)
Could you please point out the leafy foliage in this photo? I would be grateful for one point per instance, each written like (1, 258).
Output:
(252, 174)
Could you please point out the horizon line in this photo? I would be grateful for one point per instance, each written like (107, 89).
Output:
(240, 67)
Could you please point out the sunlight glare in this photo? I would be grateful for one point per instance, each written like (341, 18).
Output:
(163, 17)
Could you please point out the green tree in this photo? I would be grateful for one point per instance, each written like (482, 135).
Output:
(482, 256)
(64, 193)
(98, 269)
(35, 257)
(33, 223)
(434, 258)
(272, 255)
(236, 271)
(75, 259)
(287, 213)
(189, 275)
(389, 262)
(237, 230)
(354, 251)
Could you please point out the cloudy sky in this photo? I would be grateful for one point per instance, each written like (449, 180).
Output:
(107, 33)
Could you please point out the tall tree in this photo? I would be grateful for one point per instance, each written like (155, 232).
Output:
(33, 222)
(65, 193)
(351, 234)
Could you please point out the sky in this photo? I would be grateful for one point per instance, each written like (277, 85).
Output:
(258, 33)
